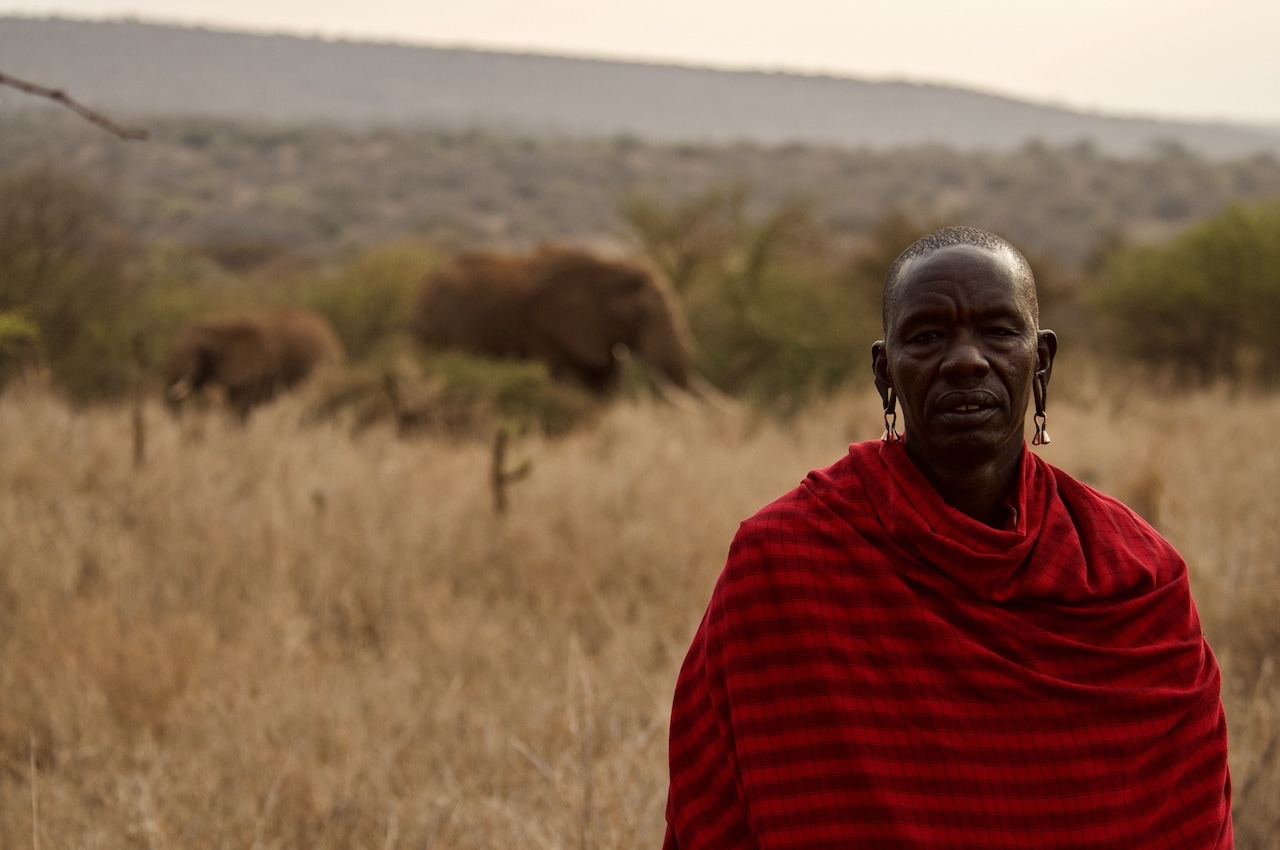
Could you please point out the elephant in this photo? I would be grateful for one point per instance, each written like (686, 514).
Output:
(574, 311)
(252, 355)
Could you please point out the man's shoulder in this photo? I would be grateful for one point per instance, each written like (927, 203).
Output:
(1106, 523)
(795, 550)
(815, 518)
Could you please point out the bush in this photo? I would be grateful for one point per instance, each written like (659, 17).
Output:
(68, 265)
(689, 238)
(457, 395)
(778, 316)
(369, 300)
(19, 345)
(522, 392)
(1204, 307)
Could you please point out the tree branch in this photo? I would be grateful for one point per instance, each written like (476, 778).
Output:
(83, 111)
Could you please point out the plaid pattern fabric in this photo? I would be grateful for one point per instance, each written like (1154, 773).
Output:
(876, 669)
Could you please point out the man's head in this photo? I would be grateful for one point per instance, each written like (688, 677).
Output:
(952, 236)
(961, 348)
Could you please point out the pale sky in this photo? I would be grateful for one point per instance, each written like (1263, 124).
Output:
(1195, 59)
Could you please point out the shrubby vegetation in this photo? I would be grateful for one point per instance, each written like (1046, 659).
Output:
(469, 390)
(779, 313)
(781, 309)
(368, 299)
(1204, 306)
(455, 395)
(327, 192)
(69, 268)
(19, 345)
(781, 302)
(78, 294)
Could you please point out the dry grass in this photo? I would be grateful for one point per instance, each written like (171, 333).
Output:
(286, 637)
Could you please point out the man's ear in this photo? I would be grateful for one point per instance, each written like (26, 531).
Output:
(880, 369)
(1046, 350)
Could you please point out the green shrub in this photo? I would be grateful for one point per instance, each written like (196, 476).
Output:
(68, 264)
(776, 313)
(19, 345)
(162, 310)
(778, 336)
(688, 238)
(458, 395)
(1205, 306)
(521, 392)
(369, 299)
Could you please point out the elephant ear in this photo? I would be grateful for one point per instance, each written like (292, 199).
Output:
(242, 356)
(570, 318)
(640, 311)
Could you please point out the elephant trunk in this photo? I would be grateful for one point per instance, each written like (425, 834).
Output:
(663, 348)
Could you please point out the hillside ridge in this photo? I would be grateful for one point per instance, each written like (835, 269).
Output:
(160, 70)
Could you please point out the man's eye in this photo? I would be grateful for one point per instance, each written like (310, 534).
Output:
(925, 336)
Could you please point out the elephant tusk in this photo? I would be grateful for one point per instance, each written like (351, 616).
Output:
(178, 390)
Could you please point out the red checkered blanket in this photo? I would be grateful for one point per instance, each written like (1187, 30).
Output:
(876, 669)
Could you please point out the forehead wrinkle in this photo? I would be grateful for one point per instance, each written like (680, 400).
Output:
(1023, 284)
(941, 308)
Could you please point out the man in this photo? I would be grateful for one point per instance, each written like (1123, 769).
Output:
(941, 640)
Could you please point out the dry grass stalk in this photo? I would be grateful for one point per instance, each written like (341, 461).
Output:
(35, 797)
(500, 476)
(138, 395)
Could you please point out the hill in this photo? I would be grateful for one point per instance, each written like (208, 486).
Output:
(160, 71)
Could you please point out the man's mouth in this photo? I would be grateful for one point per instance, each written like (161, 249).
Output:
(966, 408)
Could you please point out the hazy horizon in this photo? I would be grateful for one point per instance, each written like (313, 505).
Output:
(1182, 59)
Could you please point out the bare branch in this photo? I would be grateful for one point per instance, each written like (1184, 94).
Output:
(83, 111)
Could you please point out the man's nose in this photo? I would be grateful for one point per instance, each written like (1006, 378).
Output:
(964, 356)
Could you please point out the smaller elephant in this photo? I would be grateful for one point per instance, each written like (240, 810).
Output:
(566, 307)
(252, 355)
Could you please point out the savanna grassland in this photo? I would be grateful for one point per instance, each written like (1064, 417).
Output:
(289, 636)
(311, 632)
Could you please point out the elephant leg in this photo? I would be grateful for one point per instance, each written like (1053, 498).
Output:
(241, 401)
(597, 381)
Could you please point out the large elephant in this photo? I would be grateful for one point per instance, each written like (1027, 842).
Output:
(567, 307)
(252, 355)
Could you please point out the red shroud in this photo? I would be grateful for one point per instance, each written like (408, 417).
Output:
(876, 669)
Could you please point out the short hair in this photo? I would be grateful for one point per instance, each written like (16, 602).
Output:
(949, 237)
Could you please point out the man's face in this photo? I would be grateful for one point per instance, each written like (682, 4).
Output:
(960, 351)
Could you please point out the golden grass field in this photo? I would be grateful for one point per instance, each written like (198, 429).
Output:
(284, 636)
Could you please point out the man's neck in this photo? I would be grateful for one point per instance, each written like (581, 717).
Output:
(978, 491)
